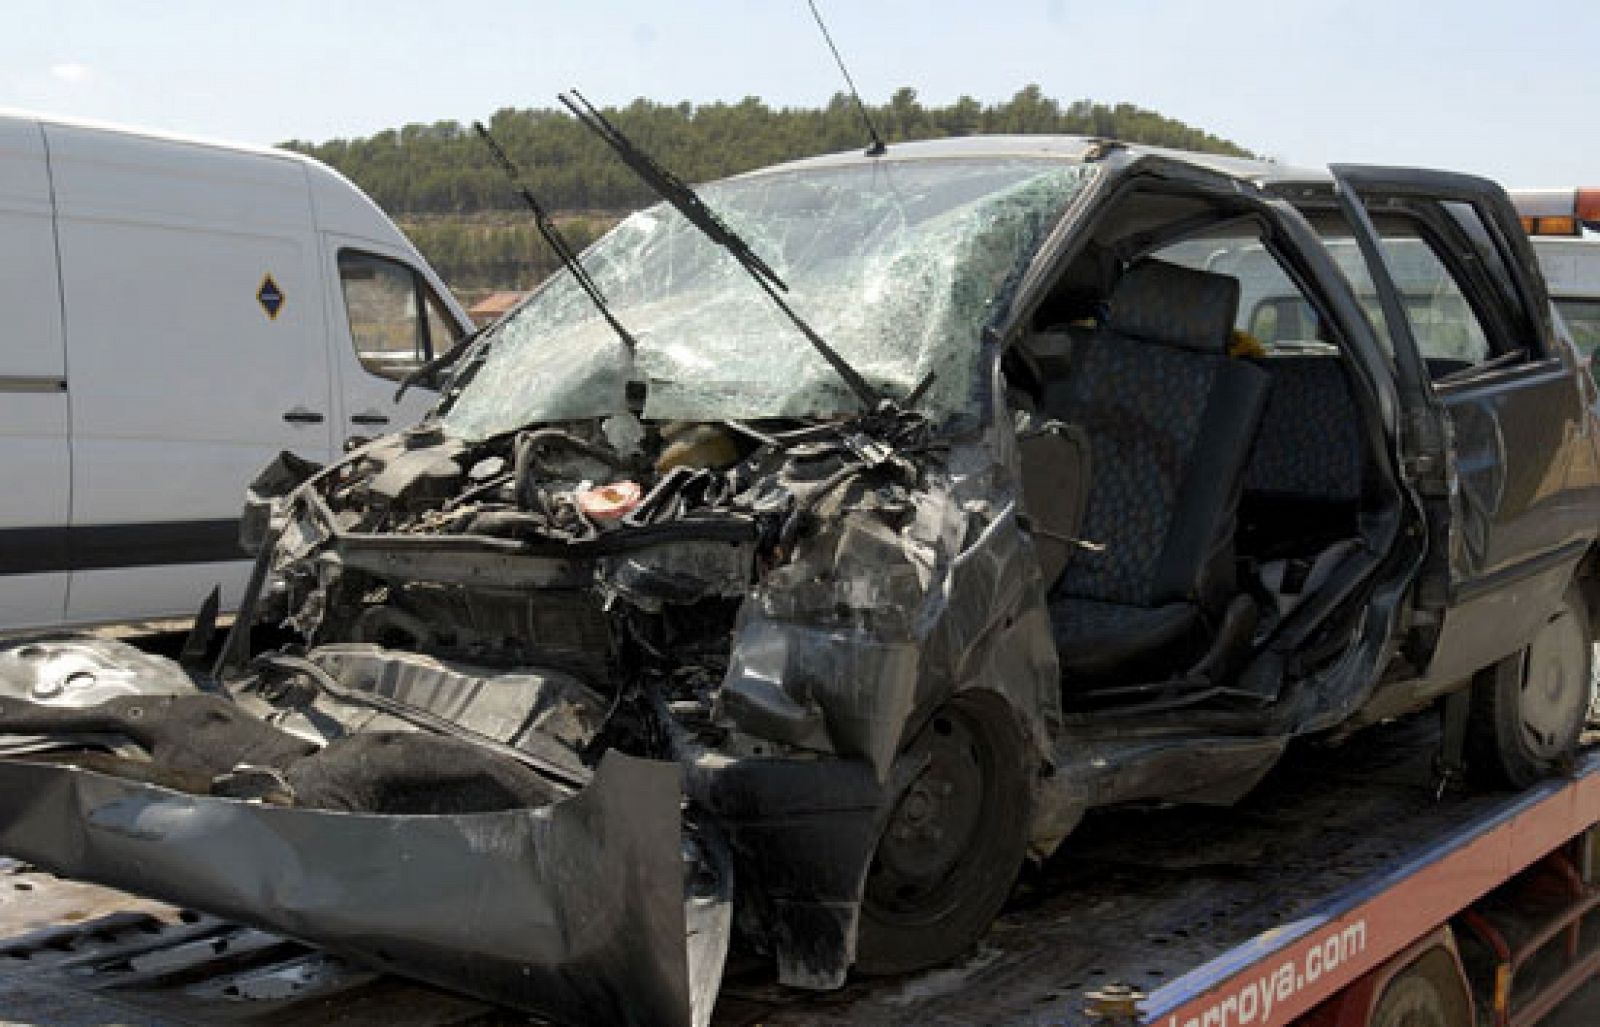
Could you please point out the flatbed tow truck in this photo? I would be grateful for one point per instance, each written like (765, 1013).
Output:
(1350, 889)
(1359, 885)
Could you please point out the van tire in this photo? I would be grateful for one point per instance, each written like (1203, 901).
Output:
(1529, 709)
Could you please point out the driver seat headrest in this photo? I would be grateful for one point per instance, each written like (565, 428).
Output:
(1175, 306)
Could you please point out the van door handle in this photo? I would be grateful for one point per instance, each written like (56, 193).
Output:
(369, 417)
(300, 415)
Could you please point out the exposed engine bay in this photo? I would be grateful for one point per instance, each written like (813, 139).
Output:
(488, 629)
(619, 560)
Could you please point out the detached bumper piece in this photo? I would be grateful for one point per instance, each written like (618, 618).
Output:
(578, 911)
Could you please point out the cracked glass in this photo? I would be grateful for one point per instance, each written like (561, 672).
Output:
(898, 265)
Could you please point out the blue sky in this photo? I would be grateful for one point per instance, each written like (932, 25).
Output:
(1503, 89)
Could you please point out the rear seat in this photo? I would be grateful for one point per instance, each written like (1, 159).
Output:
(1302, 486)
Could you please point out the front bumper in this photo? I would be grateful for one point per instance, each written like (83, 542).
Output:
(578, 911)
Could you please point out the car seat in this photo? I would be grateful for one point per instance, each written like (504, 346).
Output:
(1170, 419)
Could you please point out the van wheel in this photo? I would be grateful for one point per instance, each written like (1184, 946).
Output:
(1528, 709)
(953, 844)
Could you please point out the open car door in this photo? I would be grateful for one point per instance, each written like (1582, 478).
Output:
(1493, 408)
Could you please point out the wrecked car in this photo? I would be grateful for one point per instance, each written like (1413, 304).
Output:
(795, 607)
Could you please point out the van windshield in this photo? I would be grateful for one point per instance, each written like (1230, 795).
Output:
(898, 265)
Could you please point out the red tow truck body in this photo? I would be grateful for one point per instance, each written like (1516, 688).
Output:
(1347, 878)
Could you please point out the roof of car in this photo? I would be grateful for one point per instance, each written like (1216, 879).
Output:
(1062, 147)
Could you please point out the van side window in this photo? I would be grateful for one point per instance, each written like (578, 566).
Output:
(442, 331)
(396, 321)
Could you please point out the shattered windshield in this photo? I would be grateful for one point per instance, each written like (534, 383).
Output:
(897, 265)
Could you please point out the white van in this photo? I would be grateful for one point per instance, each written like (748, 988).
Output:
(176, 312)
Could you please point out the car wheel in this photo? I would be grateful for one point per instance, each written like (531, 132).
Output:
(954, 842)
(1528, 709)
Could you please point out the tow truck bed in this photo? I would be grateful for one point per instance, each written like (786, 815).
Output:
(1348, 844)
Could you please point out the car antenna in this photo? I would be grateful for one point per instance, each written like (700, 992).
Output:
(694, 210)
(877, 149)
(553, 237)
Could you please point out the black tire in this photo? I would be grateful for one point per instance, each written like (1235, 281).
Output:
(929, 898)
(1529, 709)
(1425, 994)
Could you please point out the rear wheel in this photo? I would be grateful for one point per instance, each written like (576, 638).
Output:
(1528, 710)
(954, 842)
(1425, 994)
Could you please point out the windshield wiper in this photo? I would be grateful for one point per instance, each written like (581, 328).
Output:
(684, 199)
(439, 364)
(553, 237)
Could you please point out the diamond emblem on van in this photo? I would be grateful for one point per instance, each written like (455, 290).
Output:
(270, 297)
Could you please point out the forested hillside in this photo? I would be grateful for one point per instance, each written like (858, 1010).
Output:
(439, 183)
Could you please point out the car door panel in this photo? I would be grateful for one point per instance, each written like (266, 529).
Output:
(1513, 459)
(1508, 433)
(1514, 545)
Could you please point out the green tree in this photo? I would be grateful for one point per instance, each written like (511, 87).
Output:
(438, 180)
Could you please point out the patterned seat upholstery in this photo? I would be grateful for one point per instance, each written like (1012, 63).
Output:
(1302, 488)
(1169, 419)
(1310, 441)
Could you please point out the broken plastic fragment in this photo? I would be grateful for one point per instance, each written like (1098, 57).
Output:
(610, 502)
(624, 432)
